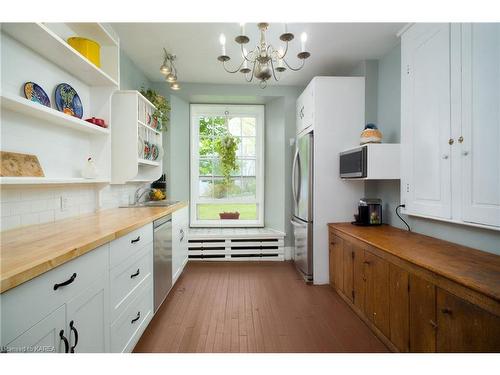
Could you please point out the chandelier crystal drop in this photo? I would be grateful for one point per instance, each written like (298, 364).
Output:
(264, 61)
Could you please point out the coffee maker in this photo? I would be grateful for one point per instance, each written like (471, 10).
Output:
(369, 212)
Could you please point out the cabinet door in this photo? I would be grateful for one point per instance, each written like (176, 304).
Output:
(348, 264)
(336, 259)
(464, 327)
(425, 130)
(399, 308)
(88, 321)
(376, 292)
(47, 336)
(359, 279)
(480, 138)
(422, 315)
(180, 224)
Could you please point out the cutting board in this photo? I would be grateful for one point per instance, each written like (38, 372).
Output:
(20, 165)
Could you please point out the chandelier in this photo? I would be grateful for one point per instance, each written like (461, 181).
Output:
(265, 60)
(168, 70)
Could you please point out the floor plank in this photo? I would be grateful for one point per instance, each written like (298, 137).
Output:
(253, 307)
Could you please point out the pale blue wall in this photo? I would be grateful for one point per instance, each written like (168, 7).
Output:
(131, 77)
(279, 104)
(388, 102)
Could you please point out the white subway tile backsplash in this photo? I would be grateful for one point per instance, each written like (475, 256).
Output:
(10, 222)
(22, 206)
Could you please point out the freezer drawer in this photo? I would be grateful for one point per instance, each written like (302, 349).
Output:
(303, 233)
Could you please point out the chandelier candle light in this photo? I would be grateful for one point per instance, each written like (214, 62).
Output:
(264, 59)
(169, 71)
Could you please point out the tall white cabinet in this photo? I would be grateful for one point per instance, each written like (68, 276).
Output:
(450, 131)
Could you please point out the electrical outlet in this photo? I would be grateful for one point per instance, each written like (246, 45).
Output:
(64, 203)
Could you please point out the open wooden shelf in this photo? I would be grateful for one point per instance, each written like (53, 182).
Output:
(39, 111)
(49, 45)
(49, 180)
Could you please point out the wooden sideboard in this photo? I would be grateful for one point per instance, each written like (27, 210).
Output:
(417, 293)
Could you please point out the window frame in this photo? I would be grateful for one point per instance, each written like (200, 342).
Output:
(257, 111)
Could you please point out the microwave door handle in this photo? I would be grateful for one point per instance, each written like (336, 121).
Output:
(294, 171)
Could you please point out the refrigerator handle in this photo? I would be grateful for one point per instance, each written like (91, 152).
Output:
(294, 171)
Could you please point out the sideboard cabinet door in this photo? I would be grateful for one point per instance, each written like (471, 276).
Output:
(464, 327)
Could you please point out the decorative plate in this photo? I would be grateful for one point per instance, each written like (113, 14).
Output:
(68, 101)
(147, 150)
(36, 94)
(154, 152)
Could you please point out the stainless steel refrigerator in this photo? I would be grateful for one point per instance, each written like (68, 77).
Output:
(302, 192)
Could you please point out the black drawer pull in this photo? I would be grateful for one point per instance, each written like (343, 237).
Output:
(66, 343)
(67, 282)
(73, 328)
(135, 274)
(136, 318)
(136, 240)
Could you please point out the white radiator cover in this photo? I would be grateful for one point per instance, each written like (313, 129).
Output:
(235, 244)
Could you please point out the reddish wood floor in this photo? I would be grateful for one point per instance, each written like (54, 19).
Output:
(254, 307)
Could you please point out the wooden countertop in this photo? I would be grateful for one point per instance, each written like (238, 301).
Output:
(472, 268)
(30, 251)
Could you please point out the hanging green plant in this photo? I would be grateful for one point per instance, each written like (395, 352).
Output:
(226, 148)
(162, 112)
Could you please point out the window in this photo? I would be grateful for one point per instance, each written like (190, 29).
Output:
(225, 191)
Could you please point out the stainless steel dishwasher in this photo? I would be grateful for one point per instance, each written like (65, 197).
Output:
(162, 259)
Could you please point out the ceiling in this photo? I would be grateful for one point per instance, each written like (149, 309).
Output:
(336, 48)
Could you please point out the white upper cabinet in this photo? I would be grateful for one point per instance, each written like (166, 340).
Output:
(450, 128)
(426, 120)
(305, 109)
(480, 138)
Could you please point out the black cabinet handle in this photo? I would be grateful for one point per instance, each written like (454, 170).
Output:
(66, 343)
(73, 328)
(136, 240)
(67, 282)
(135, 274)
(136, 318)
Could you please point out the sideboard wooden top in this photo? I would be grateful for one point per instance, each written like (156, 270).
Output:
(30, 251)
(475, 269)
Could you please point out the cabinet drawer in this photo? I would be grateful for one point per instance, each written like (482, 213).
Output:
(128, 328)
(124, 247)
(127, 277)
(27, 304)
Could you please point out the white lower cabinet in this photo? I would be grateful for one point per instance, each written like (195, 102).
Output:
(128, 328)
(47, 336)
(88, 319)
(65, 309)
(99, 302)
(180, 227)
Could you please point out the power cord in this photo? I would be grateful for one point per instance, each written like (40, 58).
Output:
(403, 220)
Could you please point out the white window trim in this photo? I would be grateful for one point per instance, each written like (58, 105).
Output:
(234, 110)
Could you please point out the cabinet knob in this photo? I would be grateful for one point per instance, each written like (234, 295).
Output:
(451, 141)
(445, 156)
(465, 153)
(446, 311)
(460, 139)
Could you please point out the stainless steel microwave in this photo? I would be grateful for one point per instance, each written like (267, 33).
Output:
(353, 163)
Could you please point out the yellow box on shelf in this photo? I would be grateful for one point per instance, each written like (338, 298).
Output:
(88, 48)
